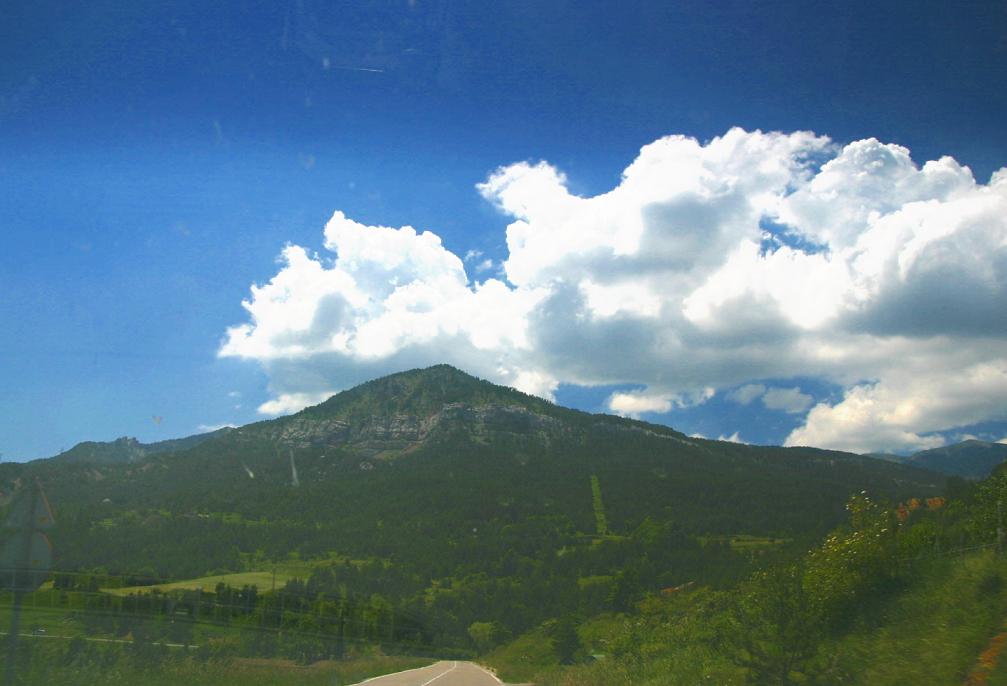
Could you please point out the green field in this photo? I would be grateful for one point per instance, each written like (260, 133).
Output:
(743, 541)
(264, 580)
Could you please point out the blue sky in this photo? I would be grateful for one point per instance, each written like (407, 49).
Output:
(156, 158)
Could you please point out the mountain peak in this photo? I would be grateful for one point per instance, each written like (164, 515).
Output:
(420, 392)
(396, 414)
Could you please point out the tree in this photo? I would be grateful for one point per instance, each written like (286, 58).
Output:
(775, 630)
(853, 562)
(485, 635)
(625, 589)
(565, 641)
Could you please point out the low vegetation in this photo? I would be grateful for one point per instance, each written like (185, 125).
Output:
(910, 593)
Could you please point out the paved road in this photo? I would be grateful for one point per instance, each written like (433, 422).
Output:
(444, 673)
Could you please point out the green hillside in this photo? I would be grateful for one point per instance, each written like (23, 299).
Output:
(470, 510)
(916, 594)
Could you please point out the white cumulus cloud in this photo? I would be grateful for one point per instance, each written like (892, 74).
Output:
(635, 404)
(789, 400)
(285, 403)
(733, 438)
(900, 410)
(709, 266)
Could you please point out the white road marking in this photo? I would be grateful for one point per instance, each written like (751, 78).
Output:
(454, 666)
(432, 681)
(404, 671)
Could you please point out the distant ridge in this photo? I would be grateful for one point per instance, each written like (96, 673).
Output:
(127, 450)
(370, 417)
(972, 459)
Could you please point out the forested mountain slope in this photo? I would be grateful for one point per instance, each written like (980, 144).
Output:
(514, 508)
(436, 452)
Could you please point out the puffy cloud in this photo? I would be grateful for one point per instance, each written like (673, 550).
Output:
(904, 409)
(391, 298)
(680, 207)
(751, 256)
(285, 403)
(535, 383)
(481, 265)
(744, 395)
(790, 400)
(210, 428)
(634, 404)
(866, 181)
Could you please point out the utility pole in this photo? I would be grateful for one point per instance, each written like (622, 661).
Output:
(293, 471)
(28, 556)
(1000, 526)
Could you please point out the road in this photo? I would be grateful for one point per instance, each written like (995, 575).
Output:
(445, 673)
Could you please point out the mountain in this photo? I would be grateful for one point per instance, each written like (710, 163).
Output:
(971, 459)
(888, 457)
(463, 501)
(441, 452)
(127, 449)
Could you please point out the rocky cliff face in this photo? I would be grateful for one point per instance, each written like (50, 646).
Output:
(393, 416)
(389, 436)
